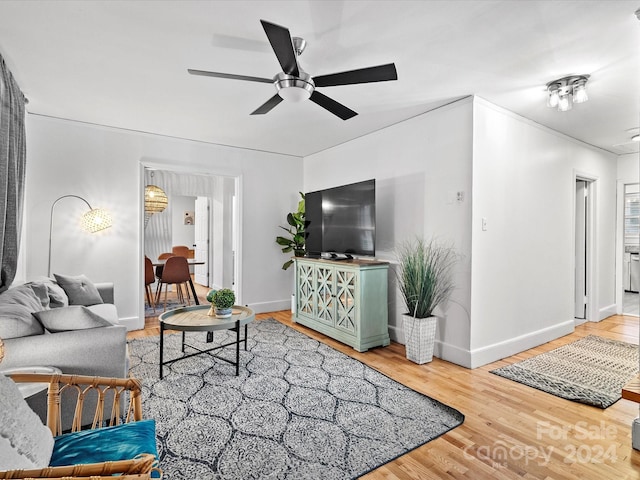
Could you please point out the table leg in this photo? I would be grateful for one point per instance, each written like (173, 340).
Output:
(183, 338)
(245, 337)
(161, 346)
(193, 290)
(237, 347)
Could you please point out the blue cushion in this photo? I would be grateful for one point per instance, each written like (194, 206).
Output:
(108, 444)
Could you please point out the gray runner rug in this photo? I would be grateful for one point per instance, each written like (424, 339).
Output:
(591, 370)
(298, 410)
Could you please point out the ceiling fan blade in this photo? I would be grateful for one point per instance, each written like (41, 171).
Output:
(334, 107)
(268, 105)
(381, 73)
(230, 76)
(282, 45)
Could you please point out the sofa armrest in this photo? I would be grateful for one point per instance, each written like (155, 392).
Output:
(94, 351)
(105, 289)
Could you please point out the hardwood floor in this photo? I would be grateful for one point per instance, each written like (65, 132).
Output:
(510, 431)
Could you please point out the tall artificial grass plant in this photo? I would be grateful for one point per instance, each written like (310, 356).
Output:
(425, 275)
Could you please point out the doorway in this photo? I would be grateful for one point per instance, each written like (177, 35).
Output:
(581, 229)
(216, 235)
(584, 248)
(631, 250)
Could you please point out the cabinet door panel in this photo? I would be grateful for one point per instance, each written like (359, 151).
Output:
(305, 294)
(346, 291)
(325, 296)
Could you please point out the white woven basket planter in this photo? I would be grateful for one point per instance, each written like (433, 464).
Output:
(419, 337)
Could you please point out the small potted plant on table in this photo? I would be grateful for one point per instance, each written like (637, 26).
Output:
(221, 302)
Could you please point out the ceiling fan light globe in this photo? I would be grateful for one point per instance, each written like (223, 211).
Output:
(294, 89)
(294, 94)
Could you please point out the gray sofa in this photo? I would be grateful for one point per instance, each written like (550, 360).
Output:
(40, 328)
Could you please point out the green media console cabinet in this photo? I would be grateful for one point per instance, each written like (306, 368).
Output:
(345, 300)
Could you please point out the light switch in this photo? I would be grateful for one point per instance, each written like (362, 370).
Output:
(484, 224)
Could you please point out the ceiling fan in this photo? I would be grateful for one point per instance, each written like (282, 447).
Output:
(294, 84)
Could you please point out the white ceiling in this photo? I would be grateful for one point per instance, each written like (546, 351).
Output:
(124, 64)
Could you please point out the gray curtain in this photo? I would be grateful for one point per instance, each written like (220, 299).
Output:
(12, 173)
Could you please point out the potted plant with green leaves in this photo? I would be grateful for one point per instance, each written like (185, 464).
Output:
(294, 241)
(221, 301)
(425, 279)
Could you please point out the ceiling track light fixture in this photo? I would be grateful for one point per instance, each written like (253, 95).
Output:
(566, 91)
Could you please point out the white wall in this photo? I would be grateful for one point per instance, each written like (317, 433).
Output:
(515, 284)
(523, 264)
(629, 168)
(182, 234)
(419, 165)
(104, 166)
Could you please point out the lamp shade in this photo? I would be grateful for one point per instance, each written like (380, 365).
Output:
(155, 200)
(96, 219)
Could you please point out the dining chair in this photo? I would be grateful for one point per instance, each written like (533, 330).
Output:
(181, 250)
(175, 272)
(162, 256)
(149, 278)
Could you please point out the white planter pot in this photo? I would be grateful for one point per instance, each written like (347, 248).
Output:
(419, 338)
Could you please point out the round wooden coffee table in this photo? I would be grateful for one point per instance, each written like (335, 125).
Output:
(195, 319)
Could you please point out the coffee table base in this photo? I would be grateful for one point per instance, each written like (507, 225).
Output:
(237, 343)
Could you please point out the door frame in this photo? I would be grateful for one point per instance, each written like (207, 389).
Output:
(236, 223)
(591, 270)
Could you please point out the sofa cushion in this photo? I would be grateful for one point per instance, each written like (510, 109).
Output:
(79, 289)
(16, 305)
(73, 317)
(25, 443)
(107, 444)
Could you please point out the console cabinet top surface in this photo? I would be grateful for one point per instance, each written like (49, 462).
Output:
(355, 262)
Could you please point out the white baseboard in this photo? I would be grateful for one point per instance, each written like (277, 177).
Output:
(132, 323)
(500, 350)
(453, 354)
(607, 311)
(274, 306)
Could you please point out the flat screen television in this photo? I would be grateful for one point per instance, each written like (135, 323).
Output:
(342, 220)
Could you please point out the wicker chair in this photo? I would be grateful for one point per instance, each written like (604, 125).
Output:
(109, 390)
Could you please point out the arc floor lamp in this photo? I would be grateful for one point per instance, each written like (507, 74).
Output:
(94, 220)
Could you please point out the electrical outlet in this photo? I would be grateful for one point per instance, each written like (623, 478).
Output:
(484, 224)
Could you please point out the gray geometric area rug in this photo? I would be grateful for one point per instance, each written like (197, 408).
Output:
(299, 410)
(591, 370)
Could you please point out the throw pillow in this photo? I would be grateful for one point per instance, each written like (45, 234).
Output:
(25, 443)
(21, 295)
(73, 317)
(16, 321)
(57, 297)
(79, 289)
(107, 444)
(16, 305)
(41, 291)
